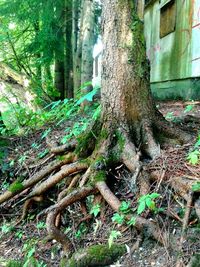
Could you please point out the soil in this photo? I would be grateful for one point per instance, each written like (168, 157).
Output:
(17, 242)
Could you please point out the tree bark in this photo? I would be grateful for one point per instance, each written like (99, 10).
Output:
(125, 93)
(76, 42)
(87, 44)
(68, 50)
(59, 75)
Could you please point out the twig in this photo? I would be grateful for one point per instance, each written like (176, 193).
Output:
(179, 262)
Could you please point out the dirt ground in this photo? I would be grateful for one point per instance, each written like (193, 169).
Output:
(17, 242)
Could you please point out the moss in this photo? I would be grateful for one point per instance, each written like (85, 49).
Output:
(98, 255)
(87, 161)
(120, 141)
(86, 144)
(104, 134)
(100, 176)
(88, 140)
(16, 186)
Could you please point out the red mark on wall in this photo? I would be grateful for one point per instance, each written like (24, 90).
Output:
(152, 53)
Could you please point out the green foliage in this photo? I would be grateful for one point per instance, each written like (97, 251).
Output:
(125, 207)
(118, 218)
(170, 116)
(196, 186)
(6, 228)
(14, 263)
(19, 234)
(43, 153)
(112, 237)
(132, 221)
(95, 210)
(147, 201)
(189, 108)
(193, 156)
(29, 250)
(81, 231)
(41, 225)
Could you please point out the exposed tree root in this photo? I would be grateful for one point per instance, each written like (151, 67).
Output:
(104, 151)
(170, 130)
(56, 178)
(141, 223)
(54, 165)
(27, 205)
(179, 262)
(64, 148)
(53, 231)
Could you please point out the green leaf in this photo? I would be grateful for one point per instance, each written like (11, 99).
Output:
(89, 97)
(46, 133)
(125, 206)
(31, 252)
(43, 153)
(41, 225)
(141, 207)
(150, 204)
(95, 210)
(188, 108)
(118, 218)
(113, 235)
(132, 221)
(193, 157)
(196, 187)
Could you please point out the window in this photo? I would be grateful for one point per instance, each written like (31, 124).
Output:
(167, 18)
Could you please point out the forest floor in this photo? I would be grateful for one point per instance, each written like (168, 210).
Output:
(28, 238)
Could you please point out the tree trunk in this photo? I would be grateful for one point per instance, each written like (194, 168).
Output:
(126, 97)
(87, 43)
(59, 77)
(76, 43)
(68, 50)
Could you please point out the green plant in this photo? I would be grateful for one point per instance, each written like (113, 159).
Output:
(43, 153)
(81, 231)
(6, 228)
(19, 234)
(125, 207)
(22, 159)
(147, 201)
(170, 116)
(41, 225)
(189, 108)
(196, 186)
(132, 221)
(193, 157)
(118, 218)
(29, 250)
(113, 236)
(95, 210)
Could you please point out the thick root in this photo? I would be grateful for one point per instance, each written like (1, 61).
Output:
(56, 178)
(170, 130)
(54, 165)
(64, 148)
(27, 205)
(53, 231)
